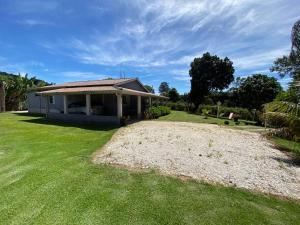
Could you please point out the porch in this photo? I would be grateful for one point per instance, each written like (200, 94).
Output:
(99, 107)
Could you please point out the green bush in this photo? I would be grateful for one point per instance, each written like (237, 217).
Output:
(178, 106)
(226, 122)
(157, 111)
(276, 120)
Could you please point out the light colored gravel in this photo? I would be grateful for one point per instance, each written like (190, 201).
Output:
(206, 152)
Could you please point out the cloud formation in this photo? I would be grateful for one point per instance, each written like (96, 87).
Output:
(155, 40)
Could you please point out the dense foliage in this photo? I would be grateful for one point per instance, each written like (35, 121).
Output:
(209, 73)
(157, 111)
(16, 87)
(284, 112)
(256, 90)
(164, 88)
(173, 95)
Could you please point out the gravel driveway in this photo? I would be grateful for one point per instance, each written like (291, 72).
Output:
(205, 152)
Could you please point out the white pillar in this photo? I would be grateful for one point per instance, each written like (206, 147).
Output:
(119, 106)
(47, 106)
(139, 106)
(65, 104)
(88, 104)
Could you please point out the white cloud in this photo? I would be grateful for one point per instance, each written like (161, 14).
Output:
(83, 75)
(33, 22)
(259, 59)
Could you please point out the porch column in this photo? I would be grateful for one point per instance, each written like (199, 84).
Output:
(47, 106)
(150, 101)
(119, 106)
(139, 106)
(88, 104)
(65, 104)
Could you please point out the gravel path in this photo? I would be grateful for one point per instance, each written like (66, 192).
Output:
(206, 152)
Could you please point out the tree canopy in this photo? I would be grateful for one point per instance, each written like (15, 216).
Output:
(16, 87)
(256, 90)
(164, 88)
(173, 95)
(209, 73)
(290, 64)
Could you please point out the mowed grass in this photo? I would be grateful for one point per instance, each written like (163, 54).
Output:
(46, 177)
(189, 117)
(287, 145)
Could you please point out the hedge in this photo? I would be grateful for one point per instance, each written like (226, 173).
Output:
(178, 106)
(157, 111)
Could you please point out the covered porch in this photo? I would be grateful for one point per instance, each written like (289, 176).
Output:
(99, 104)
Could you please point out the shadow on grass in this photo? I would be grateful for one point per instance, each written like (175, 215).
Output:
(86, 126)
(29, 114)
(293, 161)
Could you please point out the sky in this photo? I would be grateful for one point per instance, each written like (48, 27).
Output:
(64, 40)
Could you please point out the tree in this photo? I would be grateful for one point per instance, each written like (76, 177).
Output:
(164, 88)
(256, 90)
(173, 95)
(290, 64)
(286, 107)
(209, 73)
(2, 96)
(16, 87)
(149, 88)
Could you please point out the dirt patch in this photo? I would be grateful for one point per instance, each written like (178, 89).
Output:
(205, 152)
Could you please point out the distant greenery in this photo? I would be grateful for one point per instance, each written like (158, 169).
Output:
(164, 88)
(16, 87)
(173, 95)
(256, 90)
(149, 88)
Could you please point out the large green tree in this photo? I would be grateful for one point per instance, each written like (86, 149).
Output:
(16, 88)
(209, 73)
(286, 107)
(164, 88)
(173, 95)
(256, 90)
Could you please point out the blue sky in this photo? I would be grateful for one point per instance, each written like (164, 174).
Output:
(153, 40)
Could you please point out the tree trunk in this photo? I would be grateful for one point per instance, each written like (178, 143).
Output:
(2, 97)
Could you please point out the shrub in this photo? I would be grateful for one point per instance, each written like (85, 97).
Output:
(226, 122)
(178, 106)
(276, 120)
(157, 111)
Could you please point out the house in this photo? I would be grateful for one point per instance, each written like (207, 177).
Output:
(103, 101)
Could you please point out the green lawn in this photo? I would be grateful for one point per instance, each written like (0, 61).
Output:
(188, 117)
(286, 145)
(46, 177)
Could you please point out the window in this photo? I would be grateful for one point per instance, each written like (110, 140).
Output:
(51, 99)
